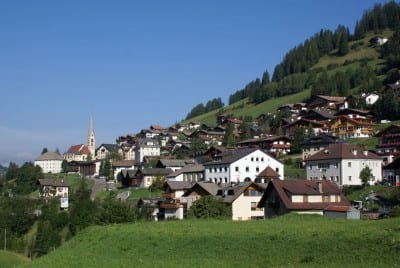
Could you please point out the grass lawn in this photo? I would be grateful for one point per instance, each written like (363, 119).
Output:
(288, 241)
(11, 259)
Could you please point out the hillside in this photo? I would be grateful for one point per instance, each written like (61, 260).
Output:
(360, 53)
(11, 259)
(288, 241)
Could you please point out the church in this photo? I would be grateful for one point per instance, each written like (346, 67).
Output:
(82, 152)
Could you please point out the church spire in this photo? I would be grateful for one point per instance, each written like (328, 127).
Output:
(91, 139)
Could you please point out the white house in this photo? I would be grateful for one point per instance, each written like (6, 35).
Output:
(50, 162)
(119, 165)
(52, 188)
(342, 163)
(244, 199)
(146, 147)
(106, 149)
(240, 165)
(189, 173)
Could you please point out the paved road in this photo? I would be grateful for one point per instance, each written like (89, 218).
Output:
(98, 186)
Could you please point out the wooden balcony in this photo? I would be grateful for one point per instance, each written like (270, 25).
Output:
(168, 195)
(171, 205)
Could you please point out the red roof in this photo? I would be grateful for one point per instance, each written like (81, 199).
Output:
(342, 151)
(78, 149)
(286, 188)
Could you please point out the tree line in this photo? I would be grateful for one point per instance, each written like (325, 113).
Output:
(293, 74)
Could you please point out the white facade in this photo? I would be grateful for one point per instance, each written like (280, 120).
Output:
(243, 169)
(49, 166)
(246, 208)
(343, 171)
(147, 147)
(371, 98)
(49, 162)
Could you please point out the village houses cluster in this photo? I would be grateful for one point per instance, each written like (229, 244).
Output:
(249, 177)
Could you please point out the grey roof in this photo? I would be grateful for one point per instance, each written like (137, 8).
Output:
(176, 162)
(188, 169)
(179, 185)
(235, 190)
(156, 171)
(231, 156)
(322, 139)
(109, 147)
(50, 156)
(209, 187)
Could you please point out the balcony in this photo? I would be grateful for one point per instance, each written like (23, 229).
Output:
(174, 204)
(168, 195)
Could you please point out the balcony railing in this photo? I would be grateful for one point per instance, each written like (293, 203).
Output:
(168, 195)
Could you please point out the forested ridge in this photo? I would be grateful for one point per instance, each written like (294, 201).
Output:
(298, 70)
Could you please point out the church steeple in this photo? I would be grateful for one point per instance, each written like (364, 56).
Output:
(91, 139)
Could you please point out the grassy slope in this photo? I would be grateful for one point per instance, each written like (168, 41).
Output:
(11, 259)
(243, 108)
(288, 241)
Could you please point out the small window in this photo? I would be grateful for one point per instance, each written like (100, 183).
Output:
(349, 164)
(349, 178)
(262, 159)
(236, 168)
(247, 169)
(252, 159)
(257, 169)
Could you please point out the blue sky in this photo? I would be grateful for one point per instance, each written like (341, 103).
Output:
(132, 64)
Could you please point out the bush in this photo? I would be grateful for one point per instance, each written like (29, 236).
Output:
(209, 207)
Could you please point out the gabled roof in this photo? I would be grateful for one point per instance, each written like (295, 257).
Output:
(52, 182)
(394, 127)
(208, 187)
(178, 185)
(321, 139)
(354, 121)
(109, 147)
(268, 172)
(78, 149)
(286, 188)
(332, 98)
(235, 190)
(50, 156)
(175, 162)
(231, 156)
(123, 163)
(342, 151)
(156, 171)
(187, 169)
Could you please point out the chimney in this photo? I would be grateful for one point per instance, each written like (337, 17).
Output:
(319, 185)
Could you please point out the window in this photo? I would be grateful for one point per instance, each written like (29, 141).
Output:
(247, 169)
(257, 159)
(349, 164)
(236, 168)
(257, 169)
(254, 206)
(262, 159)
(349, 178)
(252, 159)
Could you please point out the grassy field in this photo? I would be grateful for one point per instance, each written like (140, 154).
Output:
(243, 108)
(288, 241)
(10, 259)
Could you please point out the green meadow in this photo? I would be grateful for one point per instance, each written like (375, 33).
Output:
(288, 241)
(11, 259)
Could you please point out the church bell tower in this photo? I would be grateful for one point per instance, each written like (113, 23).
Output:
(91, 139)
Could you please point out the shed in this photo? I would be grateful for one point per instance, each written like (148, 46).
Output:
(342, 212)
